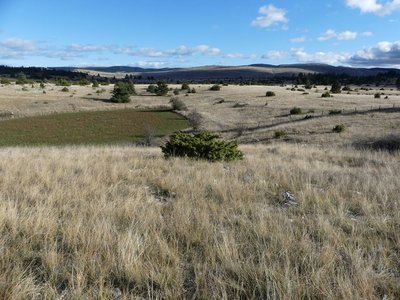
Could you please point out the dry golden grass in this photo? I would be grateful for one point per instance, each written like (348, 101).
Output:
(88, 222)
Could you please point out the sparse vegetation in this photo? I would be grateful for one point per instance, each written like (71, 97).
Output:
(295, 111)
(338, 128)
(203, 145)
(280, 133)
(215, 87)
(5, 81)
(336, 88)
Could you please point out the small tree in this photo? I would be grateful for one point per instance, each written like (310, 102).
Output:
(122, 92)
(161, 89)
(398, 83)
(151, 89)
(95, 84)
(21, 78)
(336, 88)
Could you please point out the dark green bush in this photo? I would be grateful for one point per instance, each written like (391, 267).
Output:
(161, 89)
(176, 92)
(5, 81)
(204, 145)
(151, 89)
(335, 112)
(280, 133)
(215, 87)
(84, 82)
(377, 95)
(63, 82)
(295, 111)
(185, 86)
(95, 84)
(336, 88)
(21, 79)
(269, 94)
(65, 89)
(326, 95)
(193, 91)
(338, 128)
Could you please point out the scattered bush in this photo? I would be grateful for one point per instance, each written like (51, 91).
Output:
(83, 82)
(346, 88)
(295, 111)
(178, 104)
(338, 128)
(335, 112)
(21, 79)
(270, 94)
(280, 133)
(176, 92)
(95, 84)
(215, 87)
(203, 145)
(151, 89)
(185, 86)
(193, 91)
(377, 95)
(63, 82)
(336, 88)
(42, 86)
(65, 89)
(5, 81)
(326, 95)
(25, 89)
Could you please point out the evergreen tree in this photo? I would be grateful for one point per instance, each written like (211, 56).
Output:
(398, 83)
(336, 88)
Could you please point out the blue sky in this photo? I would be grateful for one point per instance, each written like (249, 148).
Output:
(177, 33)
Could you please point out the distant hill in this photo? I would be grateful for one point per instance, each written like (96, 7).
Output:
(255, 71)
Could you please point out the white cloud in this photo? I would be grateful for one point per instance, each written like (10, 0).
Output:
(367, 33)
(179, 51)
(17, 44)
(271, 16)
(333, 58)
(89, 48)
(385, 54)
(374, 6)
(341, 36)
(274, 55)
(298, 40)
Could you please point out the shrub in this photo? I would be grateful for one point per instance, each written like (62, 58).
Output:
(63, 82)
(336, 88)
(151, 89)
(5, 81)
(295, 111)
(65, 89)
(335, 112)
(215, 87)
(346, 88)
(95, 84)
(280, 133)
(178, 104)
(21, 79)
(193, 91)
(203, 145)
(270, 94)
(161, 89)
(185, 86)
(84, 82)
(42, 86)
(176, 92)
(377, 95)
(398, 83)
(338, 128)
(326, 95)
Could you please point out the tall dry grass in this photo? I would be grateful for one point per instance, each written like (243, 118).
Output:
(89, 223)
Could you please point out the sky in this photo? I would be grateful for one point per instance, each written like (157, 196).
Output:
(178, 33)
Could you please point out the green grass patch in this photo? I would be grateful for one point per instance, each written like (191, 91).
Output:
(99, 127)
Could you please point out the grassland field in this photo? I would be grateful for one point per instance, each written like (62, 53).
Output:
(114, 221)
